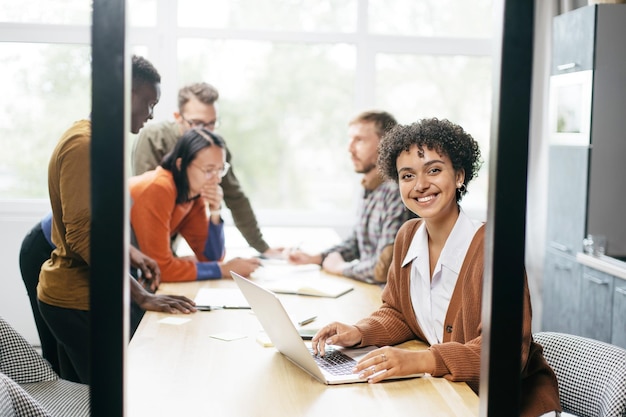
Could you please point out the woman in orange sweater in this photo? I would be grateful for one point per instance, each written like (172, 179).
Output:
(434, 286)
(183, 196)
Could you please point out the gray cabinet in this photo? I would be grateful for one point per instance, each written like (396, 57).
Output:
(567, 198)
(606, 200)
(596, 304)
(561, 293)
(618, 333)
(572, 41)
(572, 51)
(586, 167)
(587, 96)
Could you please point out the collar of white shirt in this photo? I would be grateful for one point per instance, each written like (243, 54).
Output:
(430, 296)
(455, 248)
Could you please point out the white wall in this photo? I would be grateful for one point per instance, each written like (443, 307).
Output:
(16, 219)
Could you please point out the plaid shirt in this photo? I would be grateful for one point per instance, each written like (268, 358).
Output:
(379, 218)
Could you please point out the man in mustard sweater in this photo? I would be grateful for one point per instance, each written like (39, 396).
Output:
(63, 290)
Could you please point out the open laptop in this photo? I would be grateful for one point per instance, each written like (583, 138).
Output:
(336, 365)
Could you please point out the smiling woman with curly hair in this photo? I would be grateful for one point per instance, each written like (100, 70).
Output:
(434, 288)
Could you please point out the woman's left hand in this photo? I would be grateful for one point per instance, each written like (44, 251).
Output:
(389, 362)
(213, 195)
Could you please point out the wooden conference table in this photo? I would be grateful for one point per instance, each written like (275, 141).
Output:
(182, 369)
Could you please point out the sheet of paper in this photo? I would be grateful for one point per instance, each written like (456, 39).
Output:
(221, 297)
(228, 336)
(268, 272)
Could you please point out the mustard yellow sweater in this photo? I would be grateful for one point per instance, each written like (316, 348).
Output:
(64, 278)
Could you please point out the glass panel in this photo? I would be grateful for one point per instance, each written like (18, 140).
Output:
(447, 18)
(284, 110)
(413, 87)
(142, 12)
(74, 12)
(45, 88)
(303, 15)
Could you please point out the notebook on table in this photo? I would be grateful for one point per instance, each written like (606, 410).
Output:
(334, 368)
(300, 280)
(317, 287)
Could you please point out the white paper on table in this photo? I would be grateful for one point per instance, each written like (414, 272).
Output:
(221, 297)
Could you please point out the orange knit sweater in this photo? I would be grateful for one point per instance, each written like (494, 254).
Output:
(155, 218)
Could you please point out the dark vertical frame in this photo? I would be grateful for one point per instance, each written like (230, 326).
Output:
(506, 219)
(109, 252)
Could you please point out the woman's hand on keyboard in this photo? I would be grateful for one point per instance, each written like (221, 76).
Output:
(335, 333)
(391, 362)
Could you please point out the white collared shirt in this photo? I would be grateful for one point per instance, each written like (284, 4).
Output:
(431, 298)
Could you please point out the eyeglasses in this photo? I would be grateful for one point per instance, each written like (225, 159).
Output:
(209, 173)
(202, 125)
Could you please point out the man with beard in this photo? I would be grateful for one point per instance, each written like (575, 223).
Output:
(366, 254)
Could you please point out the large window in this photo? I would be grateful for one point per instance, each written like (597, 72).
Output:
(290, 75)
(444, 18)
(59, 12)
(273, 15)
(45, 87)
(457, 88)
(283, 114)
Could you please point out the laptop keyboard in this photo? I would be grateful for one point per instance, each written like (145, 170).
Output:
(335, 362)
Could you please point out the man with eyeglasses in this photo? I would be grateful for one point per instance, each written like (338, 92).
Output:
(196, 109)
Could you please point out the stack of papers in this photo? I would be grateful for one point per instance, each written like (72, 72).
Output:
(286, 278)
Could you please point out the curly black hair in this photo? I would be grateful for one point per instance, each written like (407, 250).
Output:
(442, 136)
(144, 71)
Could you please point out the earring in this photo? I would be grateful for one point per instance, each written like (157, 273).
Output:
(462, 189)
